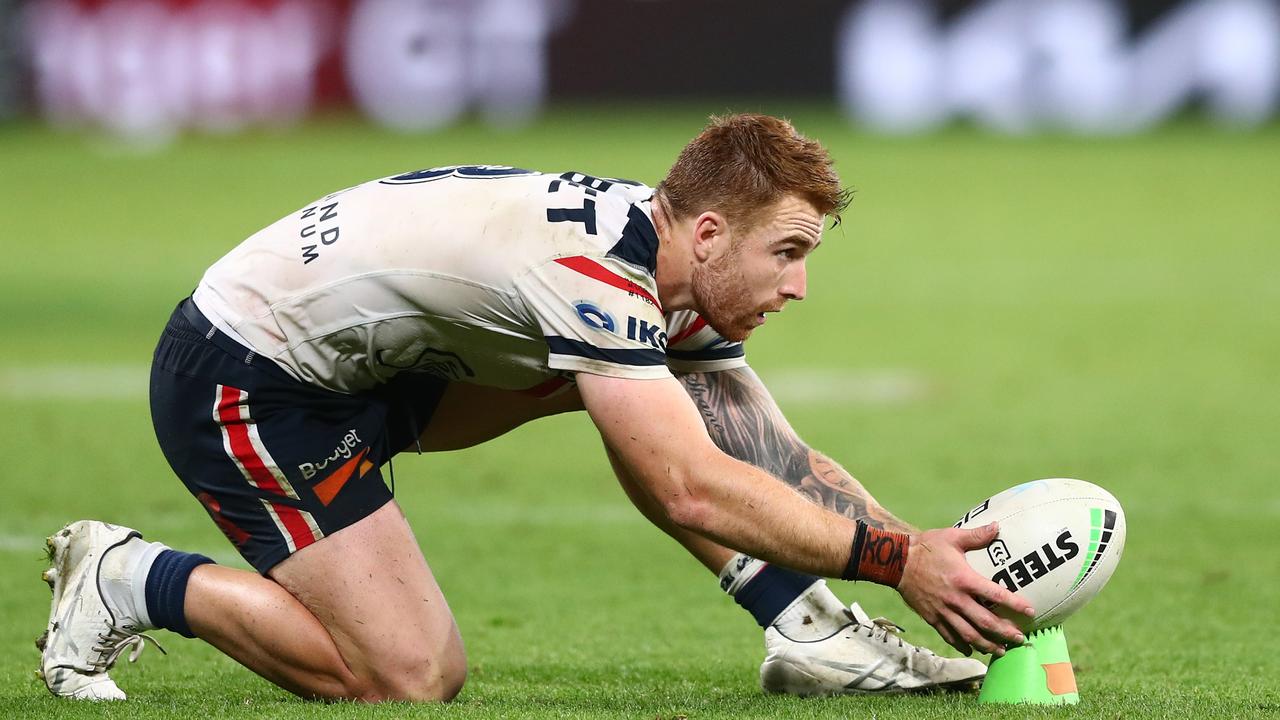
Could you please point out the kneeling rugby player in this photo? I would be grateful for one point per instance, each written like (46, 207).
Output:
(440, 308)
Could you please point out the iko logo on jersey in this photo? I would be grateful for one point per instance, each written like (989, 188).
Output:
(594, 317)
(654, 335)
(343, 451)
(638, 329)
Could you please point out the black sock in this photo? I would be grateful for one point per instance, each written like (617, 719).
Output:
(769, 591)
(166, 589)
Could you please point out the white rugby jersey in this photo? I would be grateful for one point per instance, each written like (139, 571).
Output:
(484, 274)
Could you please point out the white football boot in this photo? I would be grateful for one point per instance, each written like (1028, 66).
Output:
(97, 611)
(864, 657)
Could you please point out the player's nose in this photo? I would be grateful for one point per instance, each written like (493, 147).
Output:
(795, 282)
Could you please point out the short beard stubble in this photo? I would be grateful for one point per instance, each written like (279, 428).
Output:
(721, 296)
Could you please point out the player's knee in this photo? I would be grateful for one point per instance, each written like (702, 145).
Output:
(420, 679)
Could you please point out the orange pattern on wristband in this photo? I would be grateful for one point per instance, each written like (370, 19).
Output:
(884, 557)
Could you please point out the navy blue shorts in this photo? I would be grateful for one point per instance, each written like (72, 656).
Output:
(277, 463)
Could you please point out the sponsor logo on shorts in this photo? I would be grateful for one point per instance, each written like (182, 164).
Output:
(343, 451)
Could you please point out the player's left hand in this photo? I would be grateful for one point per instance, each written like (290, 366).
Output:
(939, 585)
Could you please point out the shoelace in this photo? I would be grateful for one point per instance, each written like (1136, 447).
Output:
(884, 629)
(879, 628)
(113, 643)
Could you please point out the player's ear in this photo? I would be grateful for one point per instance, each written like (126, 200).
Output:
(709, 231)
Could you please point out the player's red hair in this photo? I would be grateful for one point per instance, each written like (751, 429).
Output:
(741, 164)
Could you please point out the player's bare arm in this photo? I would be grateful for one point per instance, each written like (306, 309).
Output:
(744, 421)
(659, 437)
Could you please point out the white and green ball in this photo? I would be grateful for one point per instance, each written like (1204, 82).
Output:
(1060, 540)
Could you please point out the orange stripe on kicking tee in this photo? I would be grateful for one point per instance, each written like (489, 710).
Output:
(1060, 678)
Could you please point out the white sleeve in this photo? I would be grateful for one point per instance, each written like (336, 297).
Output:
(696, 347)
(598, 315)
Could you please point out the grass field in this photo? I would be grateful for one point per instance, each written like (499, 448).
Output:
(993, 310)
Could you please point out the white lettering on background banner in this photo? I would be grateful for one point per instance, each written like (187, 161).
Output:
(419, 64)
(1021, 65)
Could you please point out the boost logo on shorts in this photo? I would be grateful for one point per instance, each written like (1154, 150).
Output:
(349, 443)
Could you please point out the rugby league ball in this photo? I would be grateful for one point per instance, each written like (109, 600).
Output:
(1059, 542)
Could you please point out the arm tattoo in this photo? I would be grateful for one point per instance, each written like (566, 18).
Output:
(745, 423)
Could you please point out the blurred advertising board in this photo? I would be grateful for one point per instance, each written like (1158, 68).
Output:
(151, 68)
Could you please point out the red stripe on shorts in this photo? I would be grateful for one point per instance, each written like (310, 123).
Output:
(255, 469)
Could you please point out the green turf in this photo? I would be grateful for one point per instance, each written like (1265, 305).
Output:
(1105, 309)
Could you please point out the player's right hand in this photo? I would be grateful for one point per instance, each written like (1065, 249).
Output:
(939, 585)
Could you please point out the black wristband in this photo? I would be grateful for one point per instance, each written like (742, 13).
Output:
(855, 552)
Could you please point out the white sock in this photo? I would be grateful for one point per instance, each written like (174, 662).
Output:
(816, 614)
(124, 581)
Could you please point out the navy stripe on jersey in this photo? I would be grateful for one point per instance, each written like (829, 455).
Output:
(568, 346)
(639, 242)
(711, 353)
